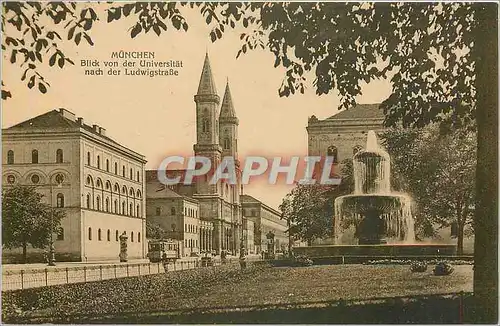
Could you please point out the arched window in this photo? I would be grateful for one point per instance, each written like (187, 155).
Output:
(109, 235)
(107, 204)
(89, 180)
(138, 211)
(59, 156)
(205, 125)
(131, 209)
(98, 203)
(98, 162)
(99, 183)
(90, 233)
(332, 151)
(124, 208)
(117, 188)
(158, 211)
(10, 157)
(131, 192)
(116, 168)
(108, 185)
(117, 237)
(99, 235)
(88, 201)
(356, 149)
(107, 165)
(132, 236)
(138, 176)
(139, 237)
(123, 171)
(116, 206)
(138, 195)
(124, 190)
(131, 174)
(60, 200)
(88, 158)
(34, 156)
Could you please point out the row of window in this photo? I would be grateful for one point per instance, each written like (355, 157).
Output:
(333, 152)
(98, 165)
(108, 235)
(189, 228)
(189, 212)
(116, 187)
(34, 156)
(190, 243)
(105, 206)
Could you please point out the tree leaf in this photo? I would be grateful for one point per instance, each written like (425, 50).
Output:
(136, 30)
(42, 88)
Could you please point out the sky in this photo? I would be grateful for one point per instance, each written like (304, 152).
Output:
(156, 116)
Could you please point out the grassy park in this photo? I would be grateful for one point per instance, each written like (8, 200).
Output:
(227, 295)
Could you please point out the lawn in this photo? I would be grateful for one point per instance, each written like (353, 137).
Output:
(284, 285)
(195, 291)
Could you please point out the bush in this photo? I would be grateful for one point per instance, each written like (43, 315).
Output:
(443, 268)
(303, 260)
(418, 267)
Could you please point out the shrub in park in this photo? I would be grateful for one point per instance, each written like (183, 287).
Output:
(418, 267)
(443, 268)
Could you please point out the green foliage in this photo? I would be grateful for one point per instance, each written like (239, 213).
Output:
(154, 231)
(438, 171)
(429, 61)
(309, 209)
(26, 219)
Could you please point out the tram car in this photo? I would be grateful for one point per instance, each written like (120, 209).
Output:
(158, 248)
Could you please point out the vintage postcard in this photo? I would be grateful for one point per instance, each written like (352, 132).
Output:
(249, 162)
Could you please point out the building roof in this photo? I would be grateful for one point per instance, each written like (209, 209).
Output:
(158, 190)
(207, 84)
(227, 109)
(360, 112)
(62, 119)
(247, 199)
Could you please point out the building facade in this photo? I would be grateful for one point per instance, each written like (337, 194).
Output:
(344, 133)
(264, 219)
(221, 224)
(78, 168)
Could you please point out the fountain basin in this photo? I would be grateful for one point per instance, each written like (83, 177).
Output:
(381, 251)
(380, 203)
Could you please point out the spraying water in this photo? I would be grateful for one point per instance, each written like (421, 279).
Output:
(377, 212)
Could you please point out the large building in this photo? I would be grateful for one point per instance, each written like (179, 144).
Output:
(344, 133)
(218, 223)
(216, 138)
(78, 168)
(265, 219)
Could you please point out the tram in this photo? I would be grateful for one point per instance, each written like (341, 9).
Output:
(157, 248)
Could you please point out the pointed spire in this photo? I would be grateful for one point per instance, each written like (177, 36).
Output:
(207, 84)
(227, 109)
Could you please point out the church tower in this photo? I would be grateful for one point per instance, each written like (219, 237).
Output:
(228, 126)
(207, 126)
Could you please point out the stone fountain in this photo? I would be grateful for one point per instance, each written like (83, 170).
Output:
(382, 218)
(378, 213)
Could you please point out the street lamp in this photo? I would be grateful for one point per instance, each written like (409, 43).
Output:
(52, 252)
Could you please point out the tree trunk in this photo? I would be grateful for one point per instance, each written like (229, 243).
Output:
(460, 237)
(486, 213)
(25, 252)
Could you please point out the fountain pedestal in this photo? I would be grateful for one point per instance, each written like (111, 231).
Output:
(371, 229)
